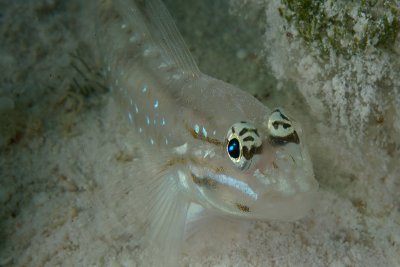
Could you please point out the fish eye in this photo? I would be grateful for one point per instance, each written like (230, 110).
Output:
(234, 149)
(280, 128)
(243, 141)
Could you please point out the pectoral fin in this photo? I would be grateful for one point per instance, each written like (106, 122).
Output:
(144, 209)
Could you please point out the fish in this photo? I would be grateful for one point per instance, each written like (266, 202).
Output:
(207, 142)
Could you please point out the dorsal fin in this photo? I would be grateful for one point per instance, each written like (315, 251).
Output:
(157, 24)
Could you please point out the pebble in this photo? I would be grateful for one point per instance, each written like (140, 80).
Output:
(73, 212)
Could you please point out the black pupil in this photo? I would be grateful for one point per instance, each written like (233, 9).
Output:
(233, 148)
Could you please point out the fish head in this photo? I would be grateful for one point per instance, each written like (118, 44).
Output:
(263, 171)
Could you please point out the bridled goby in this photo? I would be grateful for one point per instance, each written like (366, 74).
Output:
(207, 142)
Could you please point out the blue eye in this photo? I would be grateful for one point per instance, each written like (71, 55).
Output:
(234, 148)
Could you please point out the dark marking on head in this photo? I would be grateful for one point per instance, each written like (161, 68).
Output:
(249, 153)
(243, 131)
(248, 138)
(204, 181)
(206, 139)
(219, 170)
(246, 153)
(285, 125)
(242, 207)
(284, 117)
(233, 130)
(291, 138)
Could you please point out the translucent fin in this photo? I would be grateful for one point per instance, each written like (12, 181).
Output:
(144, 209)
(156, 23)
(167, 211)
(223, 228)
(208, 229)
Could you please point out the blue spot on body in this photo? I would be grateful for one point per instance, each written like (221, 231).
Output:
(204, 131)
(156, 104)
(144, 90)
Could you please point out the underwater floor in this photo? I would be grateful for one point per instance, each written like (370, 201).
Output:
(60, 135)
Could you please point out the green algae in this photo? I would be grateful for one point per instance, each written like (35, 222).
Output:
(345, 27)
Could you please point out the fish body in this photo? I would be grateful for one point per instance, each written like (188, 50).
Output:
(207, 142)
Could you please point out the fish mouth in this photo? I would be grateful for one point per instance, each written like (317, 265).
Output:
(286, 185)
